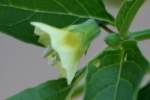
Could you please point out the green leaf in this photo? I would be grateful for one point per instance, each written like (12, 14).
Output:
(15, 15)
(51, 90)
(144, 93)
(116, 73)
(140, 35)
(126, 15)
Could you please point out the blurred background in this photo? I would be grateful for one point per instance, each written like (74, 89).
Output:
(22, 65)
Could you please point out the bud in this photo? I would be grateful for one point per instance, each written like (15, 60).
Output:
(113, 40)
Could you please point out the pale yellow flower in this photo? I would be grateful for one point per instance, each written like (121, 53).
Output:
(66, 46)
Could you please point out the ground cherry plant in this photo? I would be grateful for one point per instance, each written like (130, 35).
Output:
(66, 29)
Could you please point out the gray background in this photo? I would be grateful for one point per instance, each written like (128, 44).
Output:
(22, 65)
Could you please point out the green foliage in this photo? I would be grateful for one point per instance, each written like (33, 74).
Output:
(114, 74)
(140, 35)
(126, 15)
(51, 90)
(16, 15)
(144, 93)
(118, 75)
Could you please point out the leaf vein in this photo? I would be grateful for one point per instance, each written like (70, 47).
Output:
(51, 12)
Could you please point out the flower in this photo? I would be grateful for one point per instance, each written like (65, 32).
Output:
(66, 46)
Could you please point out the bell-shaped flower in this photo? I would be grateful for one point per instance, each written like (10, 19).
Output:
(66, 46)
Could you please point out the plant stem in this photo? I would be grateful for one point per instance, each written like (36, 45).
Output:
(79, 76)
(107, 29)
(103, 25)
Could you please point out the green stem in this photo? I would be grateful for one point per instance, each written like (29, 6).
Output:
(79, 90)
(140, 35)
(79, 76)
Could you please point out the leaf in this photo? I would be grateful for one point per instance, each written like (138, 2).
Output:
(140, 35)
(126, 15)
(15, 15)
(116, 73)
(51, 90)
(144, 93)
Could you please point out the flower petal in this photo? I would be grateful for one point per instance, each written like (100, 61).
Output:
(66, 46)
